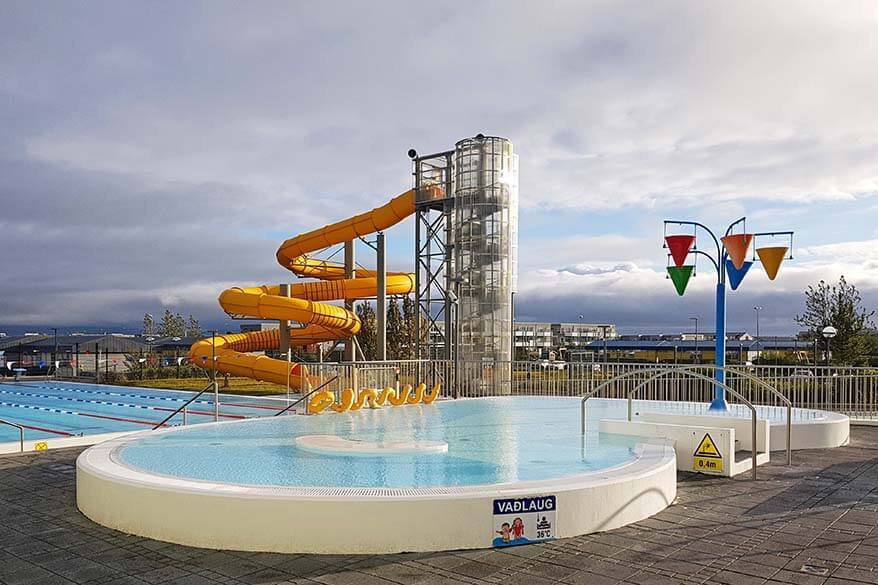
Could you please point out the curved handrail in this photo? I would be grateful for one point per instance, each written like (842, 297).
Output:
(776, 392)
(747, 376)
(725, 369)
(606, 383)
(20, 432)
(183, 407)
(729, 389)
(320, 387)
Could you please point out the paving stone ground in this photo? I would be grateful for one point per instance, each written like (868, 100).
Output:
(813, 523)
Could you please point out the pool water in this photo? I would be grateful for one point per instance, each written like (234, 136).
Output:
(490, 441)
(56, 409)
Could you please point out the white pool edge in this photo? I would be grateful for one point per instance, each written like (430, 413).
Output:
(356, 520)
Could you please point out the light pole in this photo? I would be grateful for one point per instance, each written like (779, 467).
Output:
(697, 354)
(55, 351)
(757, 309)
(604, 339)
(828, 333)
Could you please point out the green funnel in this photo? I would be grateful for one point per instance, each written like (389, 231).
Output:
(680, 276)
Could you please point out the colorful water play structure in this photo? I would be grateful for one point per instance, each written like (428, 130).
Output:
(731, 266)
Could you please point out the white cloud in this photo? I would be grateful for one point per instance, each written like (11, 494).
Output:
(164, 150)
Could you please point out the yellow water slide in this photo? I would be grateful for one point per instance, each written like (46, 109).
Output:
(306, 305)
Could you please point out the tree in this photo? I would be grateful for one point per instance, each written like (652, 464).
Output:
(193, 327)
(839, 306)
(148, 324)
(367, 338)
(395, 331)
(410, 316)
(172, 325)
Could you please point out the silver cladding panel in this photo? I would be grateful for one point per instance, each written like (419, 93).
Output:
(486, 246)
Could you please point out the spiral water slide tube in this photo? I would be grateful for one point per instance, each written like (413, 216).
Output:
(306, 304)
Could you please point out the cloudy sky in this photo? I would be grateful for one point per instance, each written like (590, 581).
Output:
(154, 153)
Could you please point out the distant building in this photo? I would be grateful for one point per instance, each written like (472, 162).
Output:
(81, 354)
(537, 339)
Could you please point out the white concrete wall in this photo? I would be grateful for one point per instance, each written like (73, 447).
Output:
(59, 442)
(832, 430)
(284, 520)
(742, 427)
(685, 439)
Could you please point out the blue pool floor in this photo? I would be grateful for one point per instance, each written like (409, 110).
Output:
(56, 409)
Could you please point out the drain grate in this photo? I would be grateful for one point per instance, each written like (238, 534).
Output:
(814, 570)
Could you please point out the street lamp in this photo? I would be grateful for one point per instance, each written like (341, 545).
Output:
(55, 351)
(697, 354)
(757, 309)
(604, 339)
(828, 333)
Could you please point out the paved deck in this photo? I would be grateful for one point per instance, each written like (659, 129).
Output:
(813, 523)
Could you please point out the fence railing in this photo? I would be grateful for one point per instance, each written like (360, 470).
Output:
(849, 390)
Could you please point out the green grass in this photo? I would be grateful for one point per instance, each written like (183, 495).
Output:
(236, 385)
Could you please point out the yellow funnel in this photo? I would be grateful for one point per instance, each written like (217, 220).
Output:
(771, 258)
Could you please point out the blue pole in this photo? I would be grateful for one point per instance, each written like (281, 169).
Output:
(719, 393)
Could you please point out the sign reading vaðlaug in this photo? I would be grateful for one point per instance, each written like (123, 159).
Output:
(524, 520)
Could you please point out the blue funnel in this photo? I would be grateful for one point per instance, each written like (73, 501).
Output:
(737, 275)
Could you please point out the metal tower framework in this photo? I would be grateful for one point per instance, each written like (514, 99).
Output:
(435, 327)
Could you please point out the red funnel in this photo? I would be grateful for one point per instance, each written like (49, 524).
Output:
(680, 246)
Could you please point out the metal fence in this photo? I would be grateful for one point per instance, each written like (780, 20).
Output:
(851, 391)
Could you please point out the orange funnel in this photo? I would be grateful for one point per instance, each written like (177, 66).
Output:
(737, 245)
(680, 247)
(771, 258)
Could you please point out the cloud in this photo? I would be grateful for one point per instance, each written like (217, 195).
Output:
(640, 298)
(590, 269)
(151, 156)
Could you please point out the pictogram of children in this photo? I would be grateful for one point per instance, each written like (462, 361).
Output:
(517, 529)
(504, 532)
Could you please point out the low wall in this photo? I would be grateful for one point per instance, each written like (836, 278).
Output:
(348, 520)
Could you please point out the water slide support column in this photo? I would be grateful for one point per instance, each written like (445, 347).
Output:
(284, 327)
(350, 271)
(381, 302)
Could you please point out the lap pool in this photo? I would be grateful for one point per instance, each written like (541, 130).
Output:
(57, 413)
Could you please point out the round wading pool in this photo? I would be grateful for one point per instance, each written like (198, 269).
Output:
(456, 474)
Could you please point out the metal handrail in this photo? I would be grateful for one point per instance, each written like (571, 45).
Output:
(187, 403)
(20, 433)
(751, 377)
(734, 392)
(606, 383)
(776, 392)
(727, 369)
(323, 385)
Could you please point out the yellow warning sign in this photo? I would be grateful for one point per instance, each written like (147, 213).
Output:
(41, 446)
(707, 457)
(707, 464)
(707, 448)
